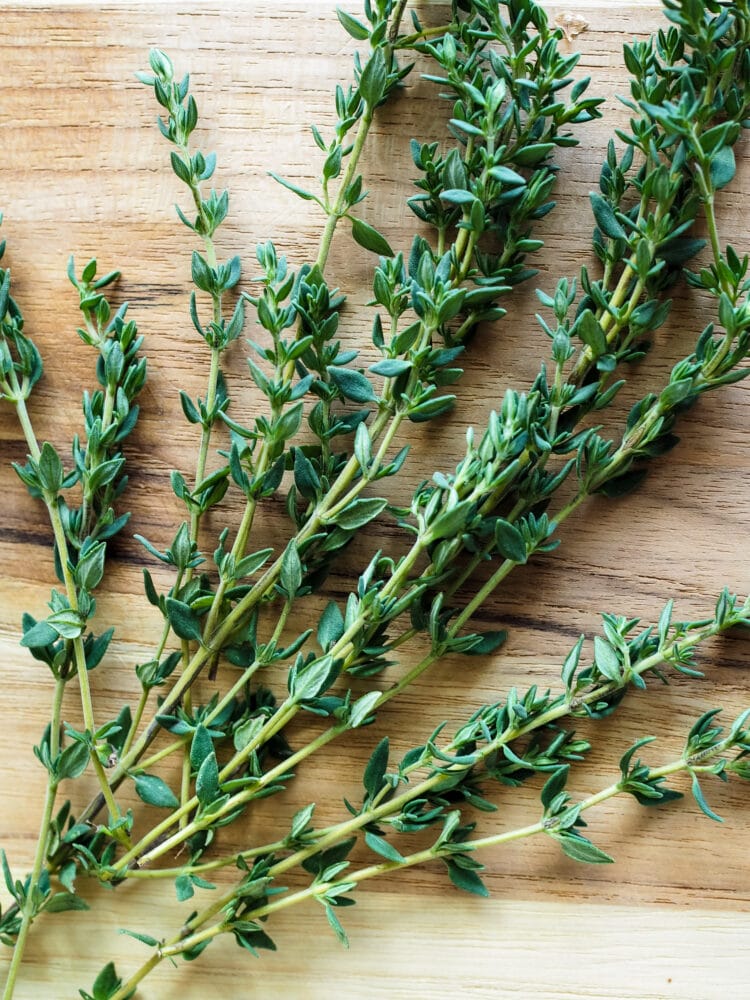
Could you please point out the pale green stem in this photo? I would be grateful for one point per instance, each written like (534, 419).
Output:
(145, 969)
(72, 595)
(233, 691)
(146, 692)
(27, 912)
(334, 216)
(349, 479)
(407, 41)
(339, 207)
(137, 716)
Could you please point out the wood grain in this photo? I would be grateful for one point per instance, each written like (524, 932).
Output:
(84, 171)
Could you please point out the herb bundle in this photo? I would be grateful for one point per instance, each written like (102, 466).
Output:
(237, 698)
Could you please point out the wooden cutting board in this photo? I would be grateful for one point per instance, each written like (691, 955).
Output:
(83, 170)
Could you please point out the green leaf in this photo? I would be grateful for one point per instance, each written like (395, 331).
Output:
(373, 80)
(363, 447)
(335, 923)
(180, 167)
(236, 323)
(703, 805)
(381, 846)
(571, 664)
(722, 167)
(430, 408)
(451, 523)
(391, 367)
(507, 177)
(606, 659)
(249, 935)
(510, 542)
(288, 425)
(305, 477)
(39, 635)
(154, 791)
(246, 731)
(369, 238)
(301, 821)
(161, 64)
(376, 767)
(202, 274)
(60, 902)
(360, 512)
(355, 28)
(51, 472)
(10, 885)
(619, 486)
(488, 643)
(73, 761)
(291, 569)
(201, 746)
(457, 196)
(207, 782)
(352, 385)
(665, 620)
(146, 939)
(606, 219)
(4, 294)
(183, 619)
(674, 393)
(363, 709)
(106, 984)
(580, 849)
(314, 679)
(90, 568)
(300, 192)
(253, 562)
(466, 879)
(67, 875)
(330, 626)
(590, 331)
(533, 153)
(183, 888)
(554, 785)
(67, 623)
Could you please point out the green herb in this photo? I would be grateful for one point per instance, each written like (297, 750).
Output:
(333, 432)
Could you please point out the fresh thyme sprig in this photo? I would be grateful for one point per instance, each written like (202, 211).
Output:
(708, 751)
(621, 660)
(80, 540)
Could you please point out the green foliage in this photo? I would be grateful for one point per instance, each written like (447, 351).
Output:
(106, 985)
(153, 790)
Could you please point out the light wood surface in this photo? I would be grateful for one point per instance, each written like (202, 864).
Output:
(84, 170)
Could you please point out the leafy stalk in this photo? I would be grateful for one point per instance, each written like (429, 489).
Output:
(707, 751)
(333, 486)
(80, 539)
